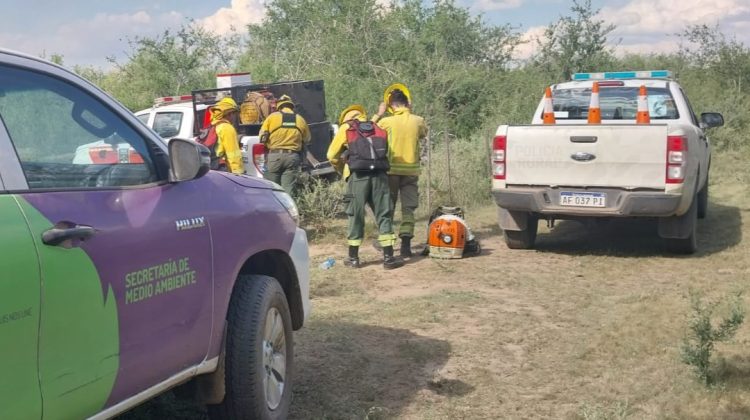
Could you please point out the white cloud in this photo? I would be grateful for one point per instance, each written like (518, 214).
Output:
(493, 5)
(90, 41)
(235, 17)
(669, 16)
(651, 25)
(529, 44)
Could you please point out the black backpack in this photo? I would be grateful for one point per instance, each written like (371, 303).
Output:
(367, 145)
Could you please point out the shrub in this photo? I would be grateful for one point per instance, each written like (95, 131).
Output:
(702, 336)
(319, 203)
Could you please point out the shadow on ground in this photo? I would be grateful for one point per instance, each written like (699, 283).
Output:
(347, 370)
(721, 229)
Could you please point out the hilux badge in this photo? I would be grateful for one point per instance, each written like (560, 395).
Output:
(193, 223)
(583, 156)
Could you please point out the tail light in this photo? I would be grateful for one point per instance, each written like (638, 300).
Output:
(677, 147)
(499, 144)
(259, 157)
(103, 155)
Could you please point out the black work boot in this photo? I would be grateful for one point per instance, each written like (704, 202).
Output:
(406, 247)
(389, 261)
(353, 260)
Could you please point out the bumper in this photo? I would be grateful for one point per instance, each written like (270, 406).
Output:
(301, 259)
(545, 200)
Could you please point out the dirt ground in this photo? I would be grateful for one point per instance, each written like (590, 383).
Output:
(589, 325)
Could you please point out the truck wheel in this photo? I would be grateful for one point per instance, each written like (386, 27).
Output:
(689, 244)
(523, 239)
(703, 201)
(259, 352)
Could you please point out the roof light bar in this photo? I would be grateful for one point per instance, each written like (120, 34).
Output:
(649, 74)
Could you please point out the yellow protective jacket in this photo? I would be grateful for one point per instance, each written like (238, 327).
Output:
(338, 146)
(405, 130)
(284, 138)
(228, 146)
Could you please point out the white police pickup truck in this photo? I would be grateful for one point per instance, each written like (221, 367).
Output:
(575, 170)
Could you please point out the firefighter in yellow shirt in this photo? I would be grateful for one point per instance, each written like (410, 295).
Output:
(227, 145)
(285, 134)
(405, 131)
(367, 181)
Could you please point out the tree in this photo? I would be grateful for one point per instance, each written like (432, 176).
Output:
(728, 60)
(446, 56)
(575, 43)
(172, 63)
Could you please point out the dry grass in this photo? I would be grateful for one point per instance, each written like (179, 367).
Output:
(586, 327)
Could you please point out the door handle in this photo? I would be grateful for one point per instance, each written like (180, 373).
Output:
(58, 235)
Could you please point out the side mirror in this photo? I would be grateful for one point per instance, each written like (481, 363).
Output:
(188, 160)
(711, 119)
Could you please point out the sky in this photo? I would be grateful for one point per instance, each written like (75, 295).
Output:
(86, 32)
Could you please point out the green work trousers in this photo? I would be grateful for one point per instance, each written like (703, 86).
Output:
(284, 169)
(369, 188)
(406, 187)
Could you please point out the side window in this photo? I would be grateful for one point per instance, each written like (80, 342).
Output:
(65, 138)
(690, 108)
(167, 124)
(143, 118)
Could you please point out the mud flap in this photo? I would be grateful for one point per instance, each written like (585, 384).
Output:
(512, 220)
(679, 227)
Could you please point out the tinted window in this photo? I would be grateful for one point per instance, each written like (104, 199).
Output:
(143, 118)
(65, 138)
(616, 103)
(167, 124)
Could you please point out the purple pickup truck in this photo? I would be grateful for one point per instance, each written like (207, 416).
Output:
(133, 273)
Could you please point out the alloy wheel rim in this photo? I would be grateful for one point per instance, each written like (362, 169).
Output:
(274, 358)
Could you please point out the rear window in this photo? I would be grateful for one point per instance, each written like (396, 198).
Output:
(167, 124)
(616, 103)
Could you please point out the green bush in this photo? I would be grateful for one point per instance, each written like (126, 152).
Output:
(702, 336)
(319, 203)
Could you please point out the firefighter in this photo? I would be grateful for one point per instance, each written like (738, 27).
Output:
(361, 148)
(227, 144)
(405, 131)
(285, 134)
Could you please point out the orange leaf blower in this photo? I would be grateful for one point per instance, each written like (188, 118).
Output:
(449, 236)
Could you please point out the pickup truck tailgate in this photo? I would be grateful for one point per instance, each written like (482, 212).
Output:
(623, 156)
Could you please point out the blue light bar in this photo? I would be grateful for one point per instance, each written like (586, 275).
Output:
(650, 74)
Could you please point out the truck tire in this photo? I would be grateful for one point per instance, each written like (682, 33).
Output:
(523, 239)
(703, 201)
(259, 352)
(689, 244)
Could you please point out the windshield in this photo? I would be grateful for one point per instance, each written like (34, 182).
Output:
(167, 124)
(617, 103)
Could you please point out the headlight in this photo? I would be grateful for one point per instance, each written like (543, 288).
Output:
(288, 202)
(447, 239)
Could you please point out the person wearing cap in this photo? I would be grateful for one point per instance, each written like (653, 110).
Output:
(405, 131)
(364, 186)
(227, 144)
(285, 134)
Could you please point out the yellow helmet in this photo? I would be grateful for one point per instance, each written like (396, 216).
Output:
(390, 89)
(285, 100)
(352, 111)
(226, 104)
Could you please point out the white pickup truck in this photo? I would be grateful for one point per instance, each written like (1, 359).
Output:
(183, 117)
(575, 170)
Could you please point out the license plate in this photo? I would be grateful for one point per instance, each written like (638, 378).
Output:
(583, 199)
